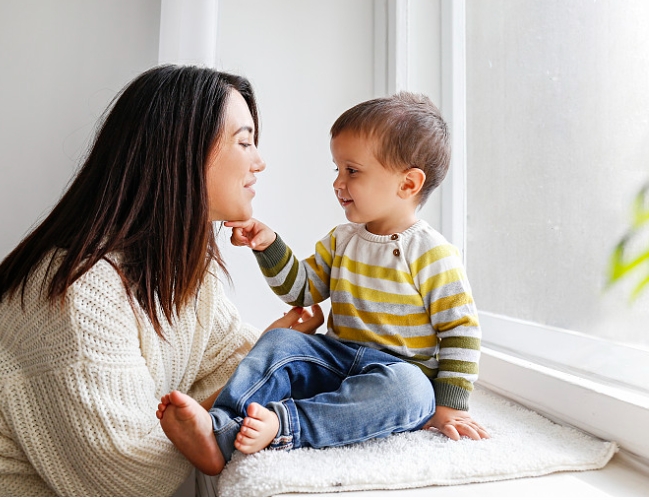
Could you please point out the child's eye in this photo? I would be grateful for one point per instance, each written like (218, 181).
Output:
(351, 170)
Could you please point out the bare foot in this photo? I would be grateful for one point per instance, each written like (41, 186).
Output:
(188, 425)
(258, 429)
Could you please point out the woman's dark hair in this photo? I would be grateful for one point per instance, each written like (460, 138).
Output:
(140, 194)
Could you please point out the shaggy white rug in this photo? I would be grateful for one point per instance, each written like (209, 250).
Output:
(522, 444)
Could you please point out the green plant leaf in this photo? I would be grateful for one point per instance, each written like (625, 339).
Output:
(621, 265)
(640, 287)
(641, 208)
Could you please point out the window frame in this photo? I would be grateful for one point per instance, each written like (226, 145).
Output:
(517, 360)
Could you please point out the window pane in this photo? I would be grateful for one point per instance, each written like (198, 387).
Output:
(558, 146)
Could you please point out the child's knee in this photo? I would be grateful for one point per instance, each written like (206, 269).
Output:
(414, 385)
(280, 340)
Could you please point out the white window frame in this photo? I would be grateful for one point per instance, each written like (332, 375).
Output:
(531, 363)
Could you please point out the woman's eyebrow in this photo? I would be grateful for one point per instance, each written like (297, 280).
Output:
(245, 128)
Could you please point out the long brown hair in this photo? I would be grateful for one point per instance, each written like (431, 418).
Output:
(140, 194)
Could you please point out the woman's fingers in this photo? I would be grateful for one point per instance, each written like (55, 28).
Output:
(310, 321)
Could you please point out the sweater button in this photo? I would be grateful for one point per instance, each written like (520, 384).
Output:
(395, 237)
(396, 252)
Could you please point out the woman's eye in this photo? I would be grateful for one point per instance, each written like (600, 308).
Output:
(245, 144)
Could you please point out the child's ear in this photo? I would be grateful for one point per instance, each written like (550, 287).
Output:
(412, 182)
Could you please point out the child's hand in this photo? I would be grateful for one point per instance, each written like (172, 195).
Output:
(251, 233)
(455, 423)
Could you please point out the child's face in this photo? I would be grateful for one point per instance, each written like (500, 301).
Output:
(232, 165)
(369, 193)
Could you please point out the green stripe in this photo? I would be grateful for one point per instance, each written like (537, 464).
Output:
(461, 343)
(457, 366)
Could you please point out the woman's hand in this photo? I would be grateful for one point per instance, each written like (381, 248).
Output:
(300, 319)
(455, 423)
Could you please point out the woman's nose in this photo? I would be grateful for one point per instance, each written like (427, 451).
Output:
(259, 164)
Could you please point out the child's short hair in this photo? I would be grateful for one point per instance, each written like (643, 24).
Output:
(409, 131)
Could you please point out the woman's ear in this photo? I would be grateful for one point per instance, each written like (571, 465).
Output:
(412, 182)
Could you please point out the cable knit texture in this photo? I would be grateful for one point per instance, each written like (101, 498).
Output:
(80, 385)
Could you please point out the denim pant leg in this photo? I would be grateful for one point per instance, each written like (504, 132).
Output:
(282, 364)
(381, 395)
(325, 392)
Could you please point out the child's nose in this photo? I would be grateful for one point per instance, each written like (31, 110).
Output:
(338, 182)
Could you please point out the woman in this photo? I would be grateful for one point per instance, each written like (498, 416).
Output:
(113, 300)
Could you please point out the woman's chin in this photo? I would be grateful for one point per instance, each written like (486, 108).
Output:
(232, 215)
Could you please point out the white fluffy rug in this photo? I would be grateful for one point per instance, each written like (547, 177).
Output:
(522, 444)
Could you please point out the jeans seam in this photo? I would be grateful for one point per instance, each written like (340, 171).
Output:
(245, 396)
(359, 354)
(227, 427)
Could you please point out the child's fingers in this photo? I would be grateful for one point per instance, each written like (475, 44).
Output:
(239, 223)
(239, 238)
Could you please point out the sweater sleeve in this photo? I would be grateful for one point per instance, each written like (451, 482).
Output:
(298, 283)
(442, 281)
(229, 340)
(82, 407)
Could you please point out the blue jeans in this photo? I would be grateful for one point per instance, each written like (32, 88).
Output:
(324, 392)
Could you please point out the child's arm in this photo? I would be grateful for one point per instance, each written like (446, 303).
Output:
(298, 283)
(442, 282)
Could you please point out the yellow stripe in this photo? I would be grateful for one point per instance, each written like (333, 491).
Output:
(441, 279)
(434, 254)
(315, 293)
(322, 251)
(446, 303)
(319, 271)
(377, 318)
(358, 335)
(371, 295)
(380, 272)
(467, 320)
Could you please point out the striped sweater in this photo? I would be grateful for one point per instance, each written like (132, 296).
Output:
(404, 293)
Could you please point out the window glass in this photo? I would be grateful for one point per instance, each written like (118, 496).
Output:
(557, 148)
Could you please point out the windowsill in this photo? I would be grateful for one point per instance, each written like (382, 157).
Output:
(610, 413)
(565, 399)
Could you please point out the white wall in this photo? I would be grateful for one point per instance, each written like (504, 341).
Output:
(308, 61)
(62, 62)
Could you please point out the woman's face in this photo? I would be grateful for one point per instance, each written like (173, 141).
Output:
(232, 164)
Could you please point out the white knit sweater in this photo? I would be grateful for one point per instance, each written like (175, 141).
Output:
(79, 386)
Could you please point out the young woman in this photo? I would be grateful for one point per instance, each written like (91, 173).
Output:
(114, 300)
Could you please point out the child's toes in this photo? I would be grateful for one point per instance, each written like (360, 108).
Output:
(243, 443)
(255, 410)
(248, 432)
(250, 423)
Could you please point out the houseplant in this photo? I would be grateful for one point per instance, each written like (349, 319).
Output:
(630, 256)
